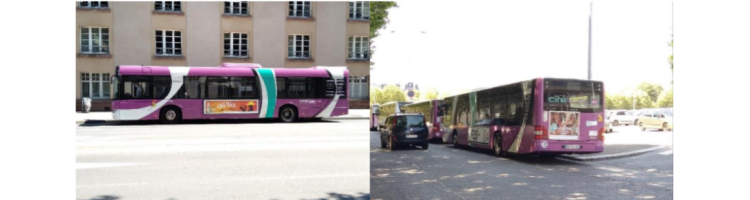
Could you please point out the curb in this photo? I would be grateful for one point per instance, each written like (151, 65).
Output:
(612, 156)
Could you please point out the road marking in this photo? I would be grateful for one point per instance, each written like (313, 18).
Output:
(102, 165)
(668, 152)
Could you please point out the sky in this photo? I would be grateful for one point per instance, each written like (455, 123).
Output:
(460, 46)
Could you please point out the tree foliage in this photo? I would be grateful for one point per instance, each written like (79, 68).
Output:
(430, 94)
(378, 19)
(665, 99)
(623, 102)
(390, 93)
(652, 90)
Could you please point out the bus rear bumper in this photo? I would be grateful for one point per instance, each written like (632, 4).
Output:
(568, 147)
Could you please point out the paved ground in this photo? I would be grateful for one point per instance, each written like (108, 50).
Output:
(445, 172)
(222, 160)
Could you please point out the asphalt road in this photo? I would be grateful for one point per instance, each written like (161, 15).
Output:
(230, 160)
(445, 172)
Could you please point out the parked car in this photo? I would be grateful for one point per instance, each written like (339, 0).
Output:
(607, 127)
(660, 118)
(404, 129)
(618, 117)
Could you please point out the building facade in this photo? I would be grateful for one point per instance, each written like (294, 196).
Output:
(295, 34)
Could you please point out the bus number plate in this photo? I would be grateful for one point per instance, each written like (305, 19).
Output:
(571, 146)
(411, 136)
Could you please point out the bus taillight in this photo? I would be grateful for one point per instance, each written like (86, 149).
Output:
(600, 136)
(540, 133)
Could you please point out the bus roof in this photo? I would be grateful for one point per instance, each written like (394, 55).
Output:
(229, 69)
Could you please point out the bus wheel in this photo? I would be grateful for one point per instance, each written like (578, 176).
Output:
(170, 115)
(288, 114)
(497, 146)
(455, 139)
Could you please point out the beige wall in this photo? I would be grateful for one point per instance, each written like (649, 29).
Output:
(204, 48)
(357, 28)
(132, 23)
(92, 64)
(268, 22)
(330, 33)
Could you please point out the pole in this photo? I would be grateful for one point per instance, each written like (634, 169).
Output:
(591, 9)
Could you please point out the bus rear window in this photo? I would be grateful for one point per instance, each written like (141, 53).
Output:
(573, 95)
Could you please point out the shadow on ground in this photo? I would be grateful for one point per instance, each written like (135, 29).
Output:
(333, 195)
(215, 121)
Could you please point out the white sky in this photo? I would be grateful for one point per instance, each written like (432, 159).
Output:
(470, 45)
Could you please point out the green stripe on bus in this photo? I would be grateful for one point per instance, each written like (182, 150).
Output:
(268, 78)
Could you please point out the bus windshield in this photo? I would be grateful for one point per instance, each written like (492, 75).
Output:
(573, 95)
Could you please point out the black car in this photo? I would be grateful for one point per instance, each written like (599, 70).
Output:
(404, 129)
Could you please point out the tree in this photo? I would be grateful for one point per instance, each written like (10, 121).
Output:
(376, 94)
(665, 99)
(652, 90)
(378, 19)
(430, 94)
(391, 93)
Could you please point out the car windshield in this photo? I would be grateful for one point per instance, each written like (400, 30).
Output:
(410, 121)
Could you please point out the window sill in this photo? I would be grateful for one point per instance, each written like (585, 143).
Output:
(230, 58)
(359, 20)
(229, 15)
(353, 60)
(169, 57)
(300, 18)
(95, 9)
(299, 60)
(94, 55)
(164, 12)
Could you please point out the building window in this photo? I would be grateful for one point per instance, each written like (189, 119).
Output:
(359, 10)
(235, 7)
(94, 40)
(172, 6)
(299, 46)
(95, 85)
(358, 87)
(168, 43)
(93, 4)
(235, 44)
(299, 9)
(359, 47)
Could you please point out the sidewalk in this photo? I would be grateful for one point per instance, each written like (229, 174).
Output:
(107, 116)
(626, 142)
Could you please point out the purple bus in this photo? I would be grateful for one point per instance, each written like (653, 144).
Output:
(430, 109)
(230, 91)
(374, 117)
(542, 116)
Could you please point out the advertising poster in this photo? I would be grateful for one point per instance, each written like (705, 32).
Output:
(564, 125)
(230, 106)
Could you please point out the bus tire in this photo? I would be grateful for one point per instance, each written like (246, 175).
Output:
(497, 146)
(170, 115)
(288, 114)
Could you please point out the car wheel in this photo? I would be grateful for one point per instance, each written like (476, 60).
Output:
(642, 127)
(288, 114)
(170, 115)
(615, 123)
(665, 127)
(426, 145)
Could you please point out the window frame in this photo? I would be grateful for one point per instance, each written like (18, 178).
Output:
(362, 54)
(354, 10)
(231, 45)
(103, 81)
(90, 40)
(164, 3)
(294, 46)
(297, 4)
(164, 42)
(90, 3)
(230, 10)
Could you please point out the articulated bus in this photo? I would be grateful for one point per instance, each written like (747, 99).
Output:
(388, 109)
(374, 117)
(542, 116)
(230, 91)
(431, 111)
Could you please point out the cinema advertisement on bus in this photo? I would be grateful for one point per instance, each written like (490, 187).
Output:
(230, 106)
(564, 125)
